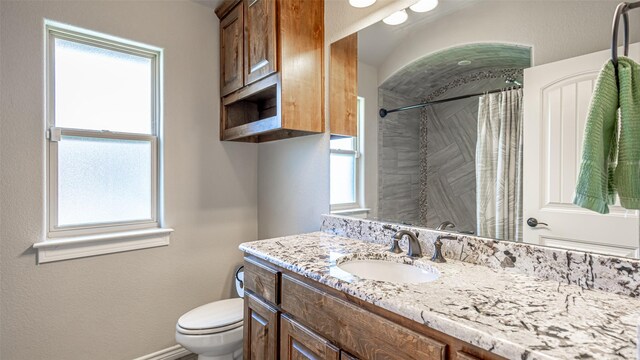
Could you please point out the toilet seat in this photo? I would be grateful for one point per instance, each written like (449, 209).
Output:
(208, 331)
(212, 318)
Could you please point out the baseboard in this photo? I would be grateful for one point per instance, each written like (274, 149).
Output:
(170, 353)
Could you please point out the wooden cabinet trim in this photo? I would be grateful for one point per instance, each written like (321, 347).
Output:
(231, 51)
(346, 356)
(464, 356)
(262, 280)
(260, 329)
(298, 342)
(260, 44)
(222, 10)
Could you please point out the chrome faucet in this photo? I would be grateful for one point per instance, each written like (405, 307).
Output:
(437, 254)
(445, 225)
(415, 250)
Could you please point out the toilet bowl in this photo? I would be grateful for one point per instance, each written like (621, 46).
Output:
(214, 330)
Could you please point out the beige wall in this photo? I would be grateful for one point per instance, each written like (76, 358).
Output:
(119, 306)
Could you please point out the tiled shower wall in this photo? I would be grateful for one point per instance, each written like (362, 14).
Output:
(427, 157)
(398, 160)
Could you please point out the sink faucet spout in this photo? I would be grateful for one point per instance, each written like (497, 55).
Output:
(415, 250)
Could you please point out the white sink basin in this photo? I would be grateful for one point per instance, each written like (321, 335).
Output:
(385, 270)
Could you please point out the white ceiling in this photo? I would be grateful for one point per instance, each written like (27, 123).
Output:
(209, 3)
(377, 41)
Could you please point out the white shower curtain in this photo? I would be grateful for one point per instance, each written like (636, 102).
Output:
(499, 165)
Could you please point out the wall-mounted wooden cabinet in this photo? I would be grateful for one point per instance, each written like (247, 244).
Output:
(272, 77)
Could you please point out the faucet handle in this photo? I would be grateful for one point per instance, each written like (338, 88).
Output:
(437, 254)
(388, 227)
(395, 246)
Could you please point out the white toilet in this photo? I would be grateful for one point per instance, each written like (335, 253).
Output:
(214, 331)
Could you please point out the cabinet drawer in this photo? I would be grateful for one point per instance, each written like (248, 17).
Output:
(262, 280)
(299, 343)
(361, 333)
(464, 356)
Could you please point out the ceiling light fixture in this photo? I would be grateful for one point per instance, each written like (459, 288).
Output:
(361, 3)
(396, 18)
(424, 6)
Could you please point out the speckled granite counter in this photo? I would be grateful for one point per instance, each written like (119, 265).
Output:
(501, 310)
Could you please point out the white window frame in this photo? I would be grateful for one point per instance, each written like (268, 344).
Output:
(67, 242)
(358, 144)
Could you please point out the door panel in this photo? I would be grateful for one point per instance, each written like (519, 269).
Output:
(556, 102)
(260, 329)
(231, 54)
(259, 39)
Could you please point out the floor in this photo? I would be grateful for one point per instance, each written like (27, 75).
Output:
(189, 357)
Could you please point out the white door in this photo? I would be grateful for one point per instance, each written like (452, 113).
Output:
(556, 102)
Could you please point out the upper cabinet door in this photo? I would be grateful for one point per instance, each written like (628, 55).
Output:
(231, 54)
(343, 86)
(259, 39)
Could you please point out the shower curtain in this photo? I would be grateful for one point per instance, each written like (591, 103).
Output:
(499, 166)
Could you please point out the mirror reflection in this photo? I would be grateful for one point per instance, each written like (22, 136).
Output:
(469, 132)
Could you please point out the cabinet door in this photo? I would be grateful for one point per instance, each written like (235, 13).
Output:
(259, 39)
(343, 86)
(298, 343)
(260, 329)
(231, 54)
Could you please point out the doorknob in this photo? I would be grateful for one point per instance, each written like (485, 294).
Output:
(533, 222)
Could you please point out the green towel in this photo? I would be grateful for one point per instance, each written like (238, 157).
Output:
(611, 163)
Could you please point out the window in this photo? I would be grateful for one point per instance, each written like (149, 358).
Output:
(346, 169)
(103, 142)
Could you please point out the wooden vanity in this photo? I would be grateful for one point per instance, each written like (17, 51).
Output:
(288, 316)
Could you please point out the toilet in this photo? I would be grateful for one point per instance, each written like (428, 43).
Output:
(214, 331)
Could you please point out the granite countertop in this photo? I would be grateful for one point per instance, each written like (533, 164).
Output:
(508, 313)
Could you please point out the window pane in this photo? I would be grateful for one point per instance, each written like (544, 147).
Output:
(345, 143)
(100, 89)
(342, 190)
(103, 180)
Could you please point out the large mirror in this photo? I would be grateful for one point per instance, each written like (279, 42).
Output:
(471, 118)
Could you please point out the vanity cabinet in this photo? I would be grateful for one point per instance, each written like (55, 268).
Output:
(271, 69)
(318, 322)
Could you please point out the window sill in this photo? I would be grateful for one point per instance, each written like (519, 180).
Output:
(91, 245)
(356, 212)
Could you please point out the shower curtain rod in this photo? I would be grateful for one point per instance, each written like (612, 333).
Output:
(384, 112)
